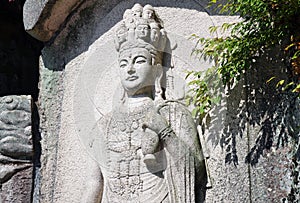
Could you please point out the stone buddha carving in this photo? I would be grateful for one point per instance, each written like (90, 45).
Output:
(151, 144)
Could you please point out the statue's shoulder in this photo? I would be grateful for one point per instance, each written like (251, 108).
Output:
(178, 115)
(174, 106)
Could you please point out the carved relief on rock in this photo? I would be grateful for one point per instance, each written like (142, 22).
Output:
(16, 149)
(150, 150)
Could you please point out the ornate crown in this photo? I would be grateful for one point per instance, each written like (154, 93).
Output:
(141, 25)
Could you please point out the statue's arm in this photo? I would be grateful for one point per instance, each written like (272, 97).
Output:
(94, 185)
(180, 141)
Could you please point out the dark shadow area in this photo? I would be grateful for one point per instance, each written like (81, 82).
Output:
(19, 52)
(37, 148)
(19, 67)
(258, 124)
(258, 112)
(270, 107)
(234, 123)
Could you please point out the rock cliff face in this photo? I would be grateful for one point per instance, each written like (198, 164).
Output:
(249, 138)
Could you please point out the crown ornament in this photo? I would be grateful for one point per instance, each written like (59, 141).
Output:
(141, 25)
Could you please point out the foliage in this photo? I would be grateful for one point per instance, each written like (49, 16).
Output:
(203, 91)
(264, 24)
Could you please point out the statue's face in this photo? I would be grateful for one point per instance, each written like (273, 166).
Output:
(148, 14)
(142, 31)
(121, 35)
(136, 71)
(137, 12)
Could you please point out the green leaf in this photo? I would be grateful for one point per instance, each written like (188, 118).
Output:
(297, 89)
(213, 29)
(296, 54)
(194, 112)
(280, 83)
(288, 85)
(201, 110)
(289, 46)
(264, 25)
(268, 81)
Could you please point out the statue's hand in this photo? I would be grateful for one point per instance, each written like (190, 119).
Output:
(155, 122)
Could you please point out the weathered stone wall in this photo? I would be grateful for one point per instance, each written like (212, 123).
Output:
(77, 86)
(257, 138)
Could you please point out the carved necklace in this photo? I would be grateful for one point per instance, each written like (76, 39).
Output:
(123, 137)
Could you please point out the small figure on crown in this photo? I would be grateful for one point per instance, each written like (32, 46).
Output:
(141, 23)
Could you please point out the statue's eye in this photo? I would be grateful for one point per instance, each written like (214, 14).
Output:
(123, 64)
(140, 60)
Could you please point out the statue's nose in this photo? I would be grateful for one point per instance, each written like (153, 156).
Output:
(130, 69)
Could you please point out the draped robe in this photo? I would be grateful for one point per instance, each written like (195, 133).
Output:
(179, 175)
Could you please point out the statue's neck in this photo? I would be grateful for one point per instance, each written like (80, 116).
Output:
(136, 101)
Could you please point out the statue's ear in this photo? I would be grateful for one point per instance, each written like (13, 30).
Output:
(159, 72)
(153, 60)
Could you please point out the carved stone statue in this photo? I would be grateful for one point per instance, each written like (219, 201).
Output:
(16, 149)
(150, 151)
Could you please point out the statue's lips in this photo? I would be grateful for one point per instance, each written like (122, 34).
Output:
(132, 78)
